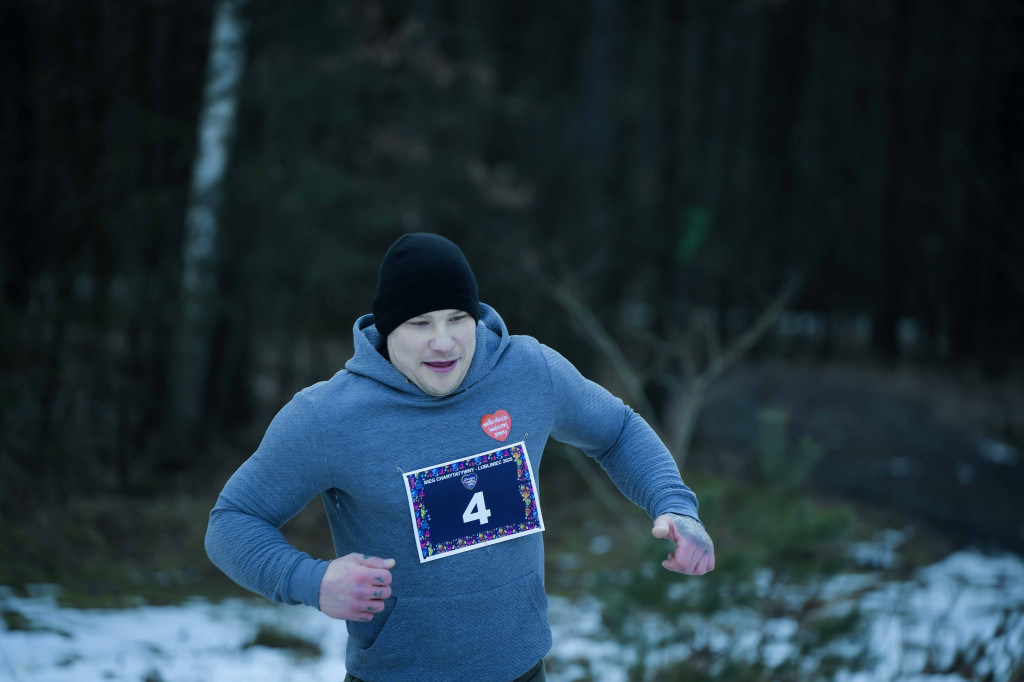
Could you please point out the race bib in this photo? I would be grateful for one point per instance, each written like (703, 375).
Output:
(473, 502)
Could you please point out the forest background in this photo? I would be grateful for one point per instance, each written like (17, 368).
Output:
(788, 219)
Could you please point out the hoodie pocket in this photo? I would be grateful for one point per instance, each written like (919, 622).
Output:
(471, 628)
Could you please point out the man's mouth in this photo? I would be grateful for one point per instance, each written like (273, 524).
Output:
(442, 367)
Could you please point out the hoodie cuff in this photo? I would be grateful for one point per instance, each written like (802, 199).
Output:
(304, 582)
(677, 504)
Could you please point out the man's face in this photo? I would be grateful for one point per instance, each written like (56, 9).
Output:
(434, 350)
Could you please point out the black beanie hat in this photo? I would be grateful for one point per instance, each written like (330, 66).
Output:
(422, 272)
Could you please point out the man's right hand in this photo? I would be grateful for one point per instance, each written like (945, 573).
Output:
(355, 587)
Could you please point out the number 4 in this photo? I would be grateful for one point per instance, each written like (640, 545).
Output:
(477, 510)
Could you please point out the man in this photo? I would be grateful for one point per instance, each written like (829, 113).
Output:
(425, 450)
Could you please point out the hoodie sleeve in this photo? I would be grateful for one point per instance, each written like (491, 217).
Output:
(243, 537)
(587, 416)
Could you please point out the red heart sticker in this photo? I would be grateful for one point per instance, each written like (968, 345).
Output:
(497, 425)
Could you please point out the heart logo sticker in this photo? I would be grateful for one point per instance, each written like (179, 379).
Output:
(497, 425)
(469, 481)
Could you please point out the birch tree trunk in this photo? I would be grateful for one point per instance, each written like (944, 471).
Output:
(199, 255)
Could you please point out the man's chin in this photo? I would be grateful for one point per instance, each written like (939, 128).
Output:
(440, 385)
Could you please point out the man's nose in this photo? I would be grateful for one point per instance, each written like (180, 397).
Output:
(442, 339)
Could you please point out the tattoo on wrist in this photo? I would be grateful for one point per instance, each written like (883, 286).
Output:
(691, 528)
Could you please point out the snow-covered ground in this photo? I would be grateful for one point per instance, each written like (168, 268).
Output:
(196, 641)
(968, 603)
(958, 620)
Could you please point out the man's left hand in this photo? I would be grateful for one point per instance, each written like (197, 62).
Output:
(694, 553)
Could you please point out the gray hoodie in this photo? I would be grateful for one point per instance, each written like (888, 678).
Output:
(476, 615)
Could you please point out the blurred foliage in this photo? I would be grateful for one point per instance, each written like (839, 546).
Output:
(113, 552)
(695, 234)
(672, 159)
(765, 538)
(273, 636)
(781, 464)
(15, 621)
(754, 527)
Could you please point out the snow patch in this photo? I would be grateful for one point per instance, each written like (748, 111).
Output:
(959, 619)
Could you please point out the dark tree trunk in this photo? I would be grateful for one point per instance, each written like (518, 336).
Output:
(889, 296)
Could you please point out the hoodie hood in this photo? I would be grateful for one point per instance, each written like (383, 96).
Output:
(491, 341)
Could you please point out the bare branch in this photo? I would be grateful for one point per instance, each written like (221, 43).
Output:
(603, 341)
(693, 403)
(763, 323)
(595, 333)
(692, 392)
